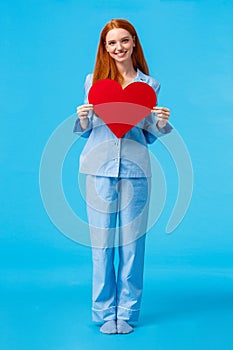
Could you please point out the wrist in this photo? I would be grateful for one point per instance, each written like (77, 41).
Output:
(84, 122)
(159, 126)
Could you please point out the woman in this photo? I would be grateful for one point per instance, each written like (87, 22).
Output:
(118, 182)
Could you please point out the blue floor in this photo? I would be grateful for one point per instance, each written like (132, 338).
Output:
(183, 308)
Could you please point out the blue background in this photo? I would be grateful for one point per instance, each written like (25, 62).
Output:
(47, 48)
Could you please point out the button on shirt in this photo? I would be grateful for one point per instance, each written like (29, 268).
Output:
(106, 155)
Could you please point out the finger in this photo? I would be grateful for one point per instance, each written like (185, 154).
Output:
(83, 112)
(160, 111)
(80, 113)
(86, 105)
(162, 116)
(84, 108)
(165, 109)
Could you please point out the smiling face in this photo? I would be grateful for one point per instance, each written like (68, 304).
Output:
(119, 44)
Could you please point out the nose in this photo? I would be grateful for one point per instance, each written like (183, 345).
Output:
(118, 45)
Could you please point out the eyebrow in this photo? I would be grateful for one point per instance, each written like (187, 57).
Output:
(125, 37)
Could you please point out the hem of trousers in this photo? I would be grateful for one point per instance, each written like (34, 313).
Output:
(102, 315)
(115, 312)
(130, 315)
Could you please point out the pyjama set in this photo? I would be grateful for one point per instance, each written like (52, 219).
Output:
(118, 180)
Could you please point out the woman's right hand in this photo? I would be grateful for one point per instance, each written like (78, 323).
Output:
(82, 112)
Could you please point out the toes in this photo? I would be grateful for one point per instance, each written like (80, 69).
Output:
(109, 327)
(123, 327)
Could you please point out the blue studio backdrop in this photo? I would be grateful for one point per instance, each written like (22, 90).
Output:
(47, 48)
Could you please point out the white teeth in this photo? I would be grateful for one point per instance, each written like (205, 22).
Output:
(121, 53)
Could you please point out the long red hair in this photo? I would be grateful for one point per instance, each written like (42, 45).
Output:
(105, 66)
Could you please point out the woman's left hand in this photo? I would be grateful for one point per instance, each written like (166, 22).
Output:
(162, 116)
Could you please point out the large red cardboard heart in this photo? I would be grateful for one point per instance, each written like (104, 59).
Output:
(121, 109)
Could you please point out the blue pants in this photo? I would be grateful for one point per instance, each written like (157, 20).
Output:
(117, 294)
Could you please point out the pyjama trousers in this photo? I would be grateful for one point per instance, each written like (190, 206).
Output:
(117, 202)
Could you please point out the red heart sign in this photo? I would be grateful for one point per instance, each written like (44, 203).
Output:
(121, 109)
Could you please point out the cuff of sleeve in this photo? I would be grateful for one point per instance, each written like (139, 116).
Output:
(78, 129)
(153, 129)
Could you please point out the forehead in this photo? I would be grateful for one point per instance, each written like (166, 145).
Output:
(116, 34)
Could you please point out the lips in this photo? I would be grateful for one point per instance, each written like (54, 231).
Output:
(121, 54)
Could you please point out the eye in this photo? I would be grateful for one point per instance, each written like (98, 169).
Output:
(126, 40)
(111, 43)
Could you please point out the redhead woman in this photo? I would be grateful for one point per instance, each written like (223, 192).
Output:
(118, 175)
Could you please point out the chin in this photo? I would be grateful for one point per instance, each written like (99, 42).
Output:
(122, 59)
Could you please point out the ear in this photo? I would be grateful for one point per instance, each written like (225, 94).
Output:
(134, 41)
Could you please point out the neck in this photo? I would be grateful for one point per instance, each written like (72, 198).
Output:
(126, 69)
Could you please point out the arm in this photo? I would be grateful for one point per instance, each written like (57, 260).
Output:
(83, 124)
(156, 124)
